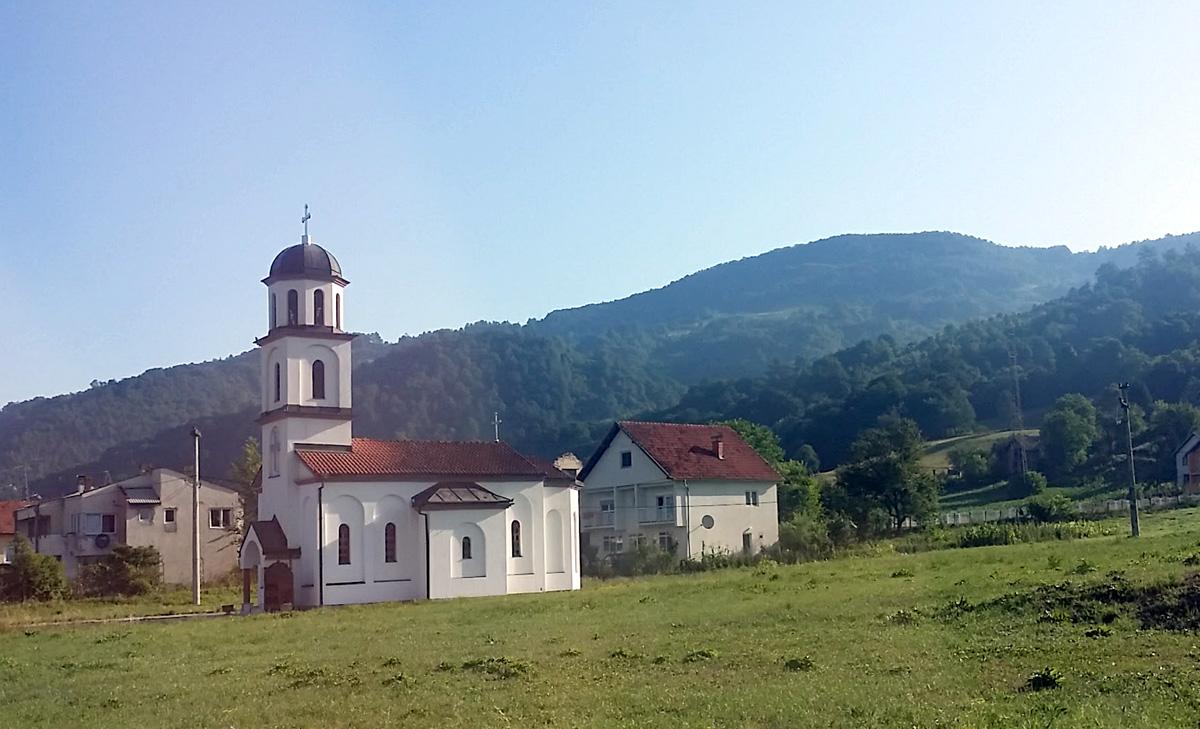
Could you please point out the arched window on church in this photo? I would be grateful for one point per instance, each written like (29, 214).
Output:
(466, 547)
(318, 383)
(337, 310)
(516, 538)
(319, 308)
(389, 542)
(344, 544)
(278, 381)
(293, 308)
(274, 313)
(274, 452)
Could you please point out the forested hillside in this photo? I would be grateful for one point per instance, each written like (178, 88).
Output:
(803, 301)
(1138, 325)
(768, 320)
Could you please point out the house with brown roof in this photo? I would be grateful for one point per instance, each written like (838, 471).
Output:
(356, 520)
(688, 488)
(8, 528)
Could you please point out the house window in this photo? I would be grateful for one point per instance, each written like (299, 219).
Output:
(608, 512)
(319, 308)
(278, 381)
(337, 310)
(626, 459)
(318, 380)
(612, 544)
(389, 543)
(274, 452)
(169, 515)
(516, 538)
(344, 544)
(293, 308)
(99, 524)
(638, 540)
(220, 518)
(664, 542)
(664, 508)
(146, 515)
(751, 498)
(466, 548)
(747, 544)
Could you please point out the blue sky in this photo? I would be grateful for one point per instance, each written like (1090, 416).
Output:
(500, 160)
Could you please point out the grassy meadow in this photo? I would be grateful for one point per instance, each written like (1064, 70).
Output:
(947, 638)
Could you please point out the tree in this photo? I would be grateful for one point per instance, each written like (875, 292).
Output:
(973, 466)
(32, 576)
(245, 472)
(1068, 431)
(125, 571)
(883, 473)
(759, 437)
(1169, 425)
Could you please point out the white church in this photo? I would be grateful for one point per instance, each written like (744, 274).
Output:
(355, 520)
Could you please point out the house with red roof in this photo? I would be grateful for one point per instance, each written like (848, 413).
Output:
(355, 520)
(687, 488)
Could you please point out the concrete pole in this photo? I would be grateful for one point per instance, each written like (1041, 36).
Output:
(196, 518)
(1135, 527)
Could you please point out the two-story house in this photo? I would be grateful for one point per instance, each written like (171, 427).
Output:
(153, 509)
(688, 488)
(1187, 465)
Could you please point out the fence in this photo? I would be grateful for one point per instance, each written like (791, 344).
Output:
(1085, 508)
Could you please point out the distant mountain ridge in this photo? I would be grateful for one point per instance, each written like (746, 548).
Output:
(559, 379)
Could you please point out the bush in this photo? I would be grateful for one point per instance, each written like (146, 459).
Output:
(125, 571)
(31, 576)
(803, 538)
(1050, 508)
(644, 559)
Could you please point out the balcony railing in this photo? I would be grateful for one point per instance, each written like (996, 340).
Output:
(598, 519)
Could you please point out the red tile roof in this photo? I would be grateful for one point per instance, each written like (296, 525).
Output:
(685, 451)
(459, 495)
(8, 510)
(373, 459)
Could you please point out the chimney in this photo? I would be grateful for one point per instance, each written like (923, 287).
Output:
(718, 444)
(80, 483)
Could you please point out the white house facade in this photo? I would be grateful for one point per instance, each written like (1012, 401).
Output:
(688, 488)
(356, 520)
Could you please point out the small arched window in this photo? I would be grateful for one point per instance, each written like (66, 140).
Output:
(318, 383)
(516, 538)
(274, 314)
(466, 547)
(344, 544)
(274, 451)
(319, 308)
(293, 308)
(337, 310)
(278, 381)
(389, 542)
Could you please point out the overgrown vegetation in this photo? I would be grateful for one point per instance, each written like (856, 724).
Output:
(31, 576)
(124, 572)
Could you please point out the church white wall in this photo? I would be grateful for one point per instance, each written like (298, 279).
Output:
(563, 500)
(446, 528)
(367, 508)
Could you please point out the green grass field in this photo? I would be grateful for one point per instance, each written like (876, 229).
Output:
(888, 640)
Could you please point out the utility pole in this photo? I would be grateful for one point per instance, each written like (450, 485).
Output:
(1134, 522)
(196, 518)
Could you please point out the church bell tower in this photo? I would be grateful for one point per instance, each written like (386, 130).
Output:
(305, 368)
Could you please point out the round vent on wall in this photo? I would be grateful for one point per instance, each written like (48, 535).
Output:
(102, 541)
(707, 522)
